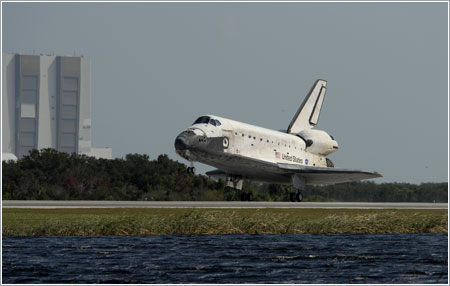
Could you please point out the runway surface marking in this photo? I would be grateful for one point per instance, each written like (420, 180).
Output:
(215, 204)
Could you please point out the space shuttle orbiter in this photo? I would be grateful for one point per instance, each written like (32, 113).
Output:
(243, 151)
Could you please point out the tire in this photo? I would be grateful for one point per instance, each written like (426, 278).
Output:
(292, 197)
(192, 170)
(250, 197)
(298, 197)
(188, 170)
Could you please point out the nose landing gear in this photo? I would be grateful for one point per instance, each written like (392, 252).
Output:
(191, 169)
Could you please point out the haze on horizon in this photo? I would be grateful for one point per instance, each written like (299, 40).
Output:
(157, 66)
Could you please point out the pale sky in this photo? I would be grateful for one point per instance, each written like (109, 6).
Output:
(157, 66)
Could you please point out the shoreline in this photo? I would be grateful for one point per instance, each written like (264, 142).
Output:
(190, 221)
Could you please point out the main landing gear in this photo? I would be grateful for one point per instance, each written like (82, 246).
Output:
(296, 197)
(246, 196)
(299, 183)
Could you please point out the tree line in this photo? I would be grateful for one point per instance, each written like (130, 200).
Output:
(51, 175)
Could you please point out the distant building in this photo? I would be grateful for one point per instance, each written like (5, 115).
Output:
(46, 103)
(8, 157)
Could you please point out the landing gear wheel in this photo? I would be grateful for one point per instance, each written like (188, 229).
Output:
(292, 197)
(191, 170)
(298, 196)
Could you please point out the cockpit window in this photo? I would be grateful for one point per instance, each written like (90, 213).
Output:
(202, 119)
(206, 120)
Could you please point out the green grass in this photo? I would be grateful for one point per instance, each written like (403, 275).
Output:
(147, 221)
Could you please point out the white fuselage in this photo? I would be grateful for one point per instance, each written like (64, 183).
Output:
(267, 145)
(218, 145)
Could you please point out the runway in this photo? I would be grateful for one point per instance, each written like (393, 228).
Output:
(215, 204)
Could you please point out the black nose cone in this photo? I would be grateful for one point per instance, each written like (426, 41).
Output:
(180, 143)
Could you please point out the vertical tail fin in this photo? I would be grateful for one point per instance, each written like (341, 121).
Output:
(307, 115)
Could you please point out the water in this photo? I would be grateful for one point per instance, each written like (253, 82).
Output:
(393, 258)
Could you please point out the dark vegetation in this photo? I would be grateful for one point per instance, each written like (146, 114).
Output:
(52, 175)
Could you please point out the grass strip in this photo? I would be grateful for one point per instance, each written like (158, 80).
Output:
(148, 221)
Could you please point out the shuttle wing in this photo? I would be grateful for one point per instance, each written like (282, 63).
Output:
(321, 175)
(264, 171)
(307, 115)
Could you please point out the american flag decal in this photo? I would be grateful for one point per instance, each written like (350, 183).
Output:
(277, 155)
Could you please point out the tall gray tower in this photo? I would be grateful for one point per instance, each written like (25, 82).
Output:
(46, 103)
